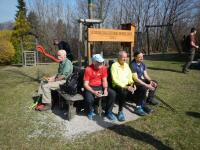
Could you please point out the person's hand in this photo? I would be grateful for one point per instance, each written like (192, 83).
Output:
(51, 79)
(134, 87)
(97, 93)
(197, 46)
(154, 84)
(105, 92)
(150, 87)
(131, 89)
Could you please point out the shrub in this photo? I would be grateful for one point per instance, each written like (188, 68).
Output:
(7, 50)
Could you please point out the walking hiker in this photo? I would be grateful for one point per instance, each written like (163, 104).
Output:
(191, 48)
(65, 46)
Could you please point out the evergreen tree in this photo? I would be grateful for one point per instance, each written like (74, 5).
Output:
(34, 23)
(21, 8)
(21, 27)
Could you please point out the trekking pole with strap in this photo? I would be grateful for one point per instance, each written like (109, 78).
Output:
(170, 107)
(33, 106)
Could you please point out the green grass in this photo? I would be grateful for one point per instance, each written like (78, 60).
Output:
(163, 129)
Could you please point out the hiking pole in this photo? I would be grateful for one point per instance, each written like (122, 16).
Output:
(170, 107)
(33, 106)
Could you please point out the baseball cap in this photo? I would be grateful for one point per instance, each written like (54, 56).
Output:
(97, 58)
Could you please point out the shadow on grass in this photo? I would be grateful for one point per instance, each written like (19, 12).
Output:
(170, 57)
(126, 130)
(166, 57)
(164, 69)
(193, 114)
(139, 135)
(22, 74)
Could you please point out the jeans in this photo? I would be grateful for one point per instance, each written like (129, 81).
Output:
(190, 58)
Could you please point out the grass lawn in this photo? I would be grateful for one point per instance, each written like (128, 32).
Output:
(163, 129)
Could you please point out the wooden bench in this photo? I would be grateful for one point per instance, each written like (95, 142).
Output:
(70, 100)
(71, 110)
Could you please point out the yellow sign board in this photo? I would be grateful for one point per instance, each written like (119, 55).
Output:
(110, 35)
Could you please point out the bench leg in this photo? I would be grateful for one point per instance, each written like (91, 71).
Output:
(100, 107)
(71, 111)
(59, 101)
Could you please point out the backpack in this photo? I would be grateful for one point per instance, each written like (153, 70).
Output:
(73, 84)
(186, 43)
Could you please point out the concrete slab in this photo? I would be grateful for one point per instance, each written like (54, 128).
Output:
(80, 125)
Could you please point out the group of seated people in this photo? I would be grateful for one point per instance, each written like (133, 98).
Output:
(128, 81)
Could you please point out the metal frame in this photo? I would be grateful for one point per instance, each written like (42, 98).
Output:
(29, 58)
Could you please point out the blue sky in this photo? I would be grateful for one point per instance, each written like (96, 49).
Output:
(8, 10)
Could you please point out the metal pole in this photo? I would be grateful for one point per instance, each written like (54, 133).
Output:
(90, 11)
(90, 14)
(22, 51)
(148, 40)
(174, 38)
(37, 55)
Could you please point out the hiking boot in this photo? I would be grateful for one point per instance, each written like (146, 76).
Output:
(139, 111)
(121, 116)
(91, 115)
(153, 101)
(185, 71)
(111, 116)
(147, 109)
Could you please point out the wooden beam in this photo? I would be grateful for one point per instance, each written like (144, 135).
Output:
(162, 25)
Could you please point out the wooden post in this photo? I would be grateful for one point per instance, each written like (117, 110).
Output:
(131, 52)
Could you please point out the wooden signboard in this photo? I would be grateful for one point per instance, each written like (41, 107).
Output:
(110, 35)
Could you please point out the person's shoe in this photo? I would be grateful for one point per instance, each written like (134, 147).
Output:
(139, 111)
(91, 115)
(121, 116)
(185, 71)
(147, 109)
(111, 116)
(153, 101)
(43, 107)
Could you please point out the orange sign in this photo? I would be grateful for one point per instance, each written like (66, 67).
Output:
(110, 35)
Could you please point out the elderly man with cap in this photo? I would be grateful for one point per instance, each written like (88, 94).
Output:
(96, 85)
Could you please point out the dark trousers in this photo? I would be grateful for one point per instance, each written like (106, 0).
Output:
(151, 94)
(189, 60)
(89, 99)
(139, 95)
